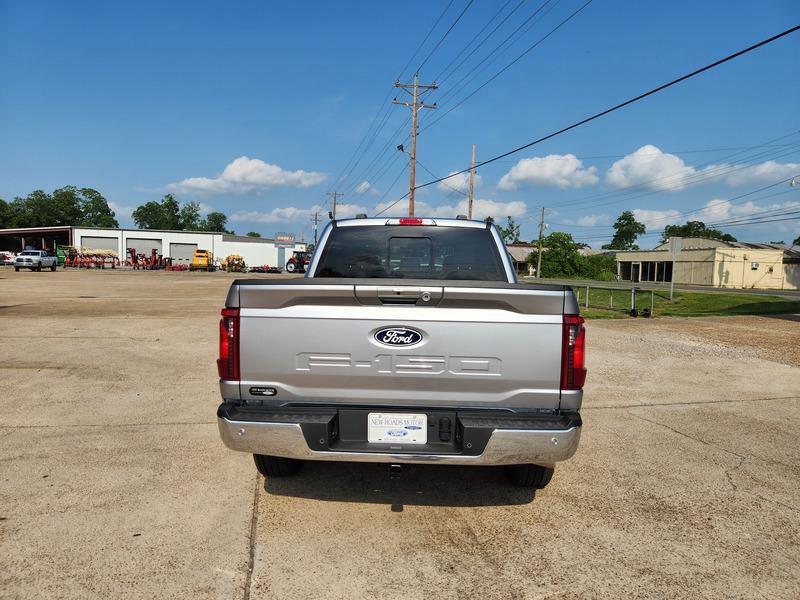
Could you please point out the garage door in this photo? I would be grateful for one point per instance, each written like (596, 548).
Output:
(144, 245)
(100, 243)
(182, 253)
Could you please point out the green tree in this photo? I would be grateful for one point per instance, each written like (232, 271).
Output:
(216, 221)
(509, 233)
(796, 241)
(149, 215)
(5, 215)
(600, 267)
(65, 206)
(695, 229)
(626, 230)
(253, 234)
(158, 215)
(560, 256)
(189, 217)
(95, 209)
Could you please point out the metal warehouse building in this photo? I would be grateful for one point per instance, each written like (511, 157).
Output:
(179, 245)
(703, 261)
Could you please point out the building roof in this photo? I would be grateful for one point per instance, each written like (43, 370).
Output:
(520, 251)
(696, 243)
(30, 230)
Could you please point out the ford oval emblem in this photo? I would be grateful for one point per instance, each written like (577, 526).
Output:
(396, 433)
(398, 336)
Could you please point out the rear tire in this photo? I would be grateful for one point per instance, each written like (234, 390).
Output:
(529, 476)
(39, 268)
(53, 267)
(16, 269)
(276, 466)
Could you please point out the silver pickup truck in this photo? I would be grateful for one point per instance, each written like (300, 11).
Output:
(408, 341)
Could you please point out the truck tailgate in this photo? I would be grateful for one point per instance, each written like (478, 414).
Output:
(401, 343)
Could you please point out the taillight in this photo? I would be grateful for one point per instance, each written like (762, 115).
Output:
(573, 353)
(410, 221)
(228, 361)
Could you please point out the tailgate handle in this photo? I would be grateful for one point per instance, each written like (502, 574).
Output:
(400, 295)
(398, 300)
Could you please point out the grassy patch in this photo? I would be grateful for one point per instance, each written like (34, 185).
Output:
(607, 304)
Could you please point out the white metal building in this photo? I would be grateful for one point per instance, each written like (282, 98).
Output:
(179, 245)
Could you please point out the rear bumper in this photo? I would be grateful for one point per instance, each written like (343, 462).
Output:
(493, 439)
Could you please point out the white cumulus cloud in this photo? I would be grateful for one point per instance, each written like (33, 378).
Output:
(458, 182)
(651, 168)
(593, 220)
(246, 175)
(656, 219)
(289, 214)
(555, 170)
(481, 208)
(659, 171)
(763, 173)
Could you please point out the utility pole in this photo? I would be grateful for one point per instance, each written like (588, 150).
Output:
(334, 195)
(414, 105)
(541, 235)
(471, 183)
(315, 220)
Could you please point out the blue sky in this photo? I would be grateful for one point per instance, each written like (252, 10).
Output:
(254, 108)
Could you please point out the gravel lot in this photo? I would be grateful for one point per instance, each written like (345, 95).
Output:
(113, 482)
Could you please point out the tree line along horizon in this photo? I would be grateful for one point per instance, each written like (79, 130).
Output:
(73, 206)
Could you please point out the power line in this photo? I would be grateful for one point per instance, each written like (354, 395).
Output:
(366, 172)
(680, 182)
(458, 85)
(663, 180)
(622, 104)
(446, 33)
(513, 62)
(475, 37)
(383, 104)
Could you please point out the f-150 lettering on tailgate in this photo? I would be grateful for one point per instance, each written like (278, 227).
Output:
(390, 363)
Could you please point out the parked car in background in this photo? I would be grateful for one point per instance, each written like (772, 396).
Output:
(7, 258)
(35, 260)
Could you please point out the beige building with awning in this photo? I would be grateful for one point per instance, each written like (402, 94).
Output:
(703, 261)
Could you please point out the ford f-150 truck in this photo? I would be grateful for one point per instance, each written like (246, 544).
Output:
(408, 341)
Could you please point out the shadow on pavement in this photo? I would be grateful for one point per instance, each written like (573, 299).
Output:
(424, 485)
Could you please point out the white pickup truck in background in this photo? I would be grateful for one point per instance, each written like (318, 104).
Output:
(408, 341)
(35, 260)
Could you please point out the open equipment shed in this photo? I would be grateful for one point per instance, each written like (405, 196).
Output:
(35, 238)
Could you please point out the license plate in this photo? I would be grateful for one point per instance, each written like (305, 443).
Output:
(397, 428)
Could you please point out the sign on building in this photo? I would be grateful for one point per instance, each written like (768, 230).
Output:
(284, 240)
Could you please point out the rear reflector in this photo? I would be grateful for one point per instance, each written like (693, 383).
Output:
(228, 361)
(573, 353)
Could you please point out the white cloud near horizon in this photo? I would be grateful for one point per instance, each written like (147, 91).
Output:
(246, 175)
(714, 211)
(481, 208)
(365, 187)
(458, 182)
(291, 213)
(763, 173)
(659, 171)
(555, 170)
(121, 210)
